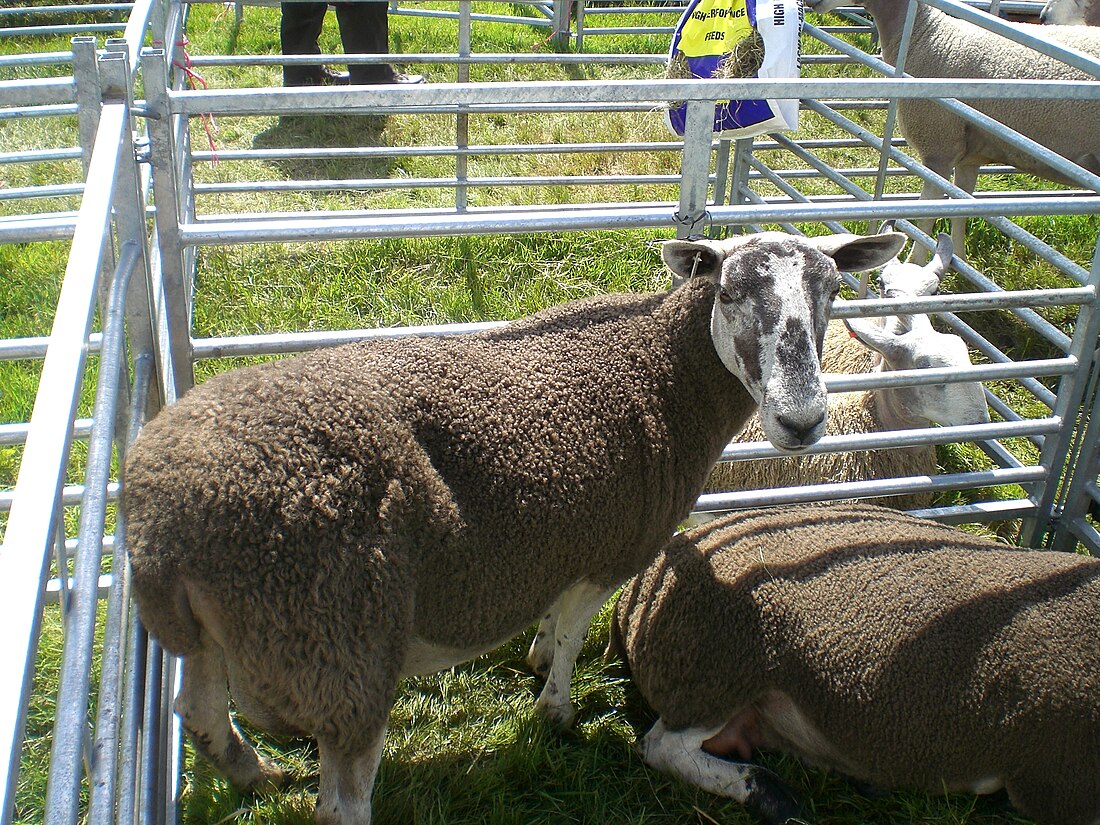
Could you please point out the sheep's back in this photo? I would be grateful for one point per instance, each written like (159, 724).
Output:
(898, 638)
(513, 461)
(951, 48)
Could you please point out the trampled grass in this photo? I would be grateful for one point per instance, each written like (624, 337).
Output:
(464, 746)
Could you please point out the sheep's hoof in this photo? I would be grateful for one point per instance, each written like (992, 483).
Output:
(560, 715)
(271, 778)
(540, 658)
(771, 801)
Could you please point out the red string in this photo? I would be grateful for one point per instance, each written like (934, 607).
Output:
(195, 79)
(552, 35)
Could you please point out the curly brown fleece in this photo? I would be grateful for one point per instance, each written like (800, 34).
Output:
(319, 511)
(929, 658)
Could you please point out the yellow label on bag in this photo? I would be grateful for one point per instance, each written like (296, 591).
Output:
(714, 28)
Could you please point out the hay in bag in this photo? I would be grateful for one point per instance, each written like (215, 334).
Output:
(738, 38)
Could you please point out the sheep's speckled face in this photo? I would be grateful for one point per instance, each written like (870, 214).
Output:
(770, 313)
(768, 325)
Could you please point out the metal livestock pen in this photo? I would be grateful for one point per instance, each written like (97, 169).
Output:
(136, 214)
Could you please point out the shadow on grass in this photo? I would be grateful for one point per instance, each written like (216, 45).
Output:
(329, 131)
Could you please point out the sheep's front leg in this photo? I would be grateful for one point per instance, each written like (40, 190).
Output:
(347, 782)
(966, 178)
(680, 753)
(203, 707)
(575, 609)
(944, 167)
(541, 654)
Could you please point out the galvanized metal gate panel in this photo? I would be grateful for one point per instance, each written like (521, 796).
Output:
(123, 765)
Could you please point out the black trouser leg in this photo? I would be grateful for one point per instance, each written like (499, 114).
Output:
(365, 29)
(299, 30)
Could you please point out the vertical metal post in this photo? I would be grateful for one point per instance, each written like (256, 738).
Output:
(130, 208)
(1050, 494)
(691, 215)
(462, 119)
(88, 94)
(1083, 469)
(892, 105)
(578, 45)
(169, 285)
(560, 23)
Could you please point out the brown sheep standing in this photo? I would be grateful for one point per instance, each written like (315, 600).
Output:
(310, 530)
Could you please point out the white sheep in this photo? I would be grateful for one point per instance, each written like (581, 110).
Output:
(894, 650)
(901, 343)
(310, 530)
(944, 46)
(1070, 13)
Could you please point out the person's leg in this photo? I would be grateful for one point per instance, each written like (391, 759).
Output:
(299, 29)
(364, 29)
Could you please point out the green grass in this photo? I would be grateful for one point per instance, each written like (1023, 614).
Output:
(464, 746)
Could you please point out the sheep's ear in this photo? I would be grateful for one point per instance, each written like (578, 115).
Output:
(693, 259)
(855, 253)
(873, 337)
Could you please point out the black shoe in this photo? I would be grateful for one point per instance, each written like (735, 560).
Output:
(331, 77)
(324, 76)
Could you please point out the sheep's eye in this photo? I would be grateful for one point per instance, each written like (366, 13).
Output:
(724, 296)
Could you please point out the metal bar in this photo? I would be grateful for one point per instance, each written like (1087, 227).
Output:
(14, 349)
(37, 92)
(281, 100)
(106, 767)
(41, 474)
(892, 439)
(70, 725)
(615, 217)
(13, 434)
(716, 502)
(70, 496)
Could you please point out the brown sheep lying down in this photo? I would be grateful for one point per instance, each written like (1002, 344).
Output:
(312, 529)
(894, 650)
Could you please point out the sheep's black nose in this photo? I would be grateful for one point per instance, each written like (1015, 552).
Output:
(800, 429)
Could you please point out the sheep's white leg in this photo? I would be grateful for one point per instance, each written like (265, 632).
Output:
(929, 191)
(541, 654)
(966, 178)
(203, 706)
(576, 607)
(347, 782)
(680, 754)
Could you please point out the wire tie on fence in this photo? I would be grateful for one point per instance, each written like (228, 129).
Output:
(194, 79)
(690, 222)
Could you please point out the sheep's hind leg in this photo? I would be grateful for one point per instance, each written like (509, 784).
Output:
(347, 782)
(680, 753)
(203, 706)
(541, 654)
(576, 607)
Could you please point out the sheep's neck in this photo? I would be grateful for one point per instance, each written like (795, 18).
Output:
(890, 17)
(891, 411)
(707, 390)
